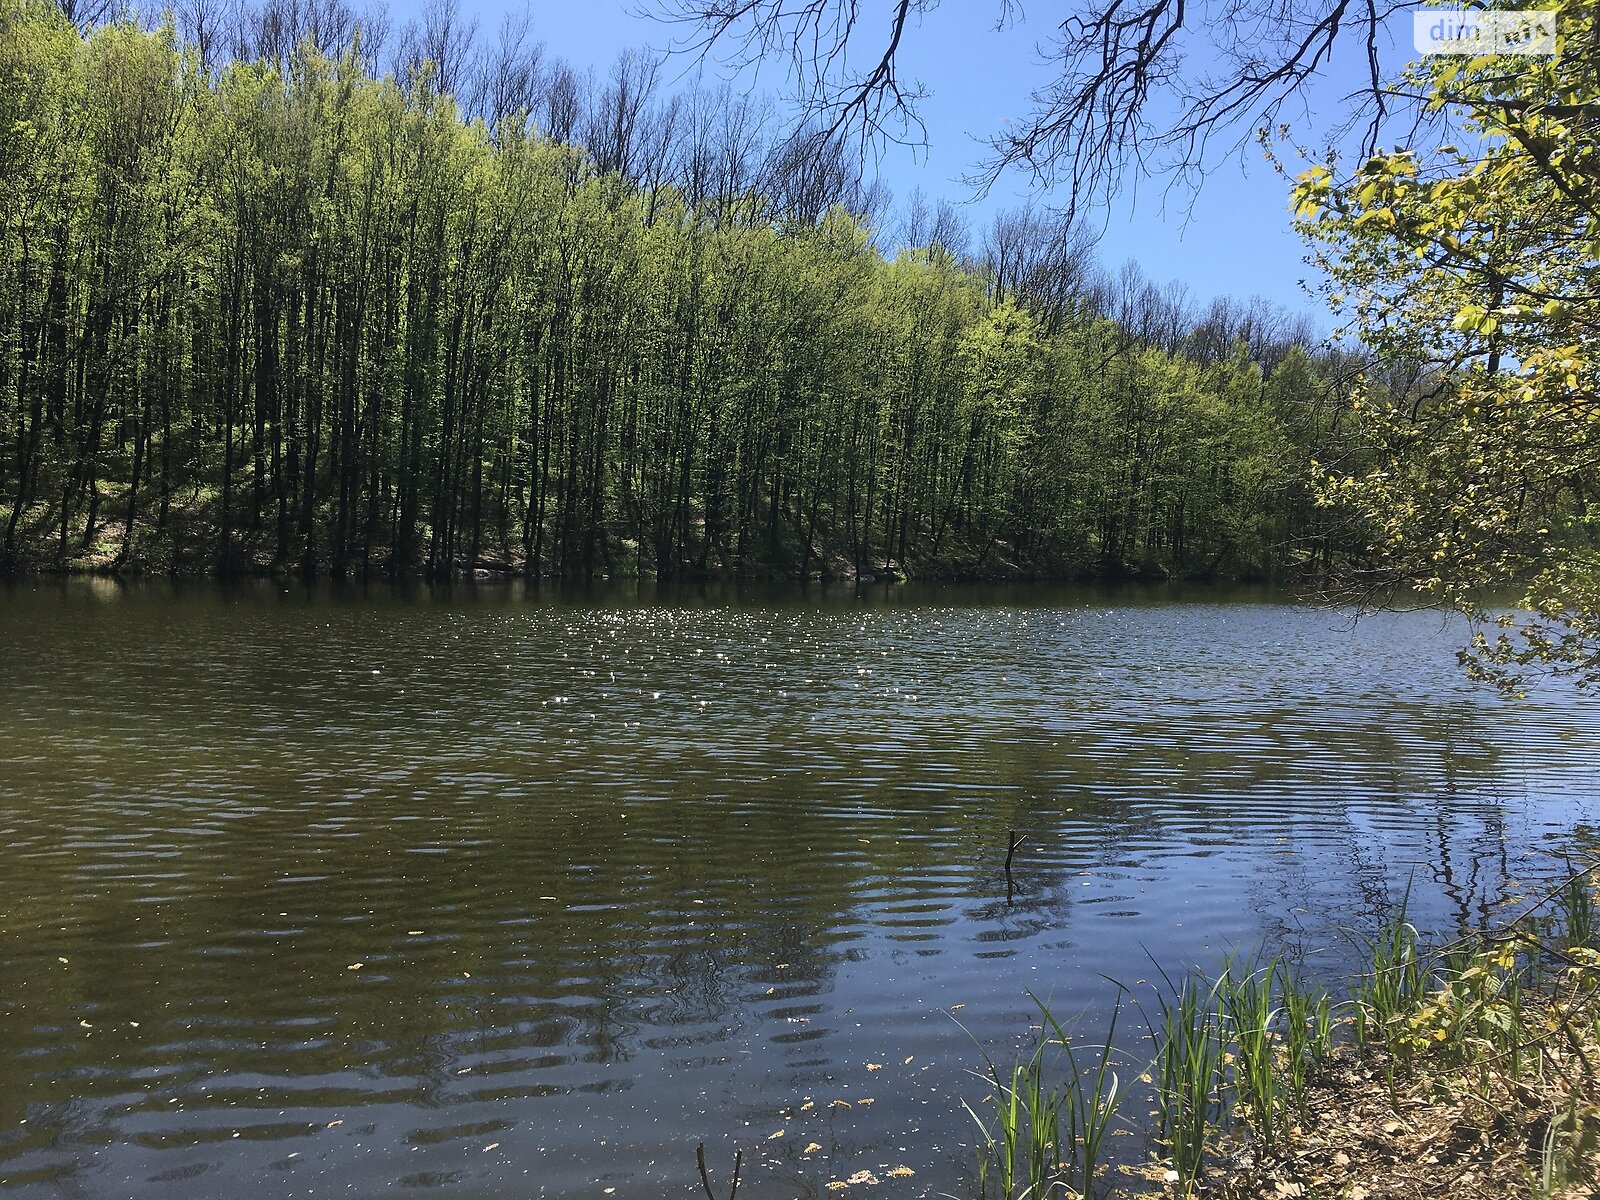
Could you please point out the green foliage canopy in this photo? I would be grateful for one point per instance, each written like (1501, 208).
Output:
(1481, 261)
(288, 313)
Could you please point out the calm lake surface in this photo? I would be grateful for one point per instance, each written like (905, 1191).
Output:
(494, 893)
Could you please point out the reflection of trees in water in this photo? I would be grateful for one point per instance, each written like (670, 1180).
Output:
(813, 830)
(1419, 799)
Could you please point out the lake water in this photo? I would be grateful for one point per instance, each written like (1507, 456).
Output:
(495, 893)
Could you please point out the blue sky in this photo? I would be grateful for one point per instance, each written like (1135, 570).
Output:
(1231, 237)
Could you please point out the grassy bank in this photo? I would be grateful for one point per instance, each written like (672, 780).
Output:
(1466, 1069)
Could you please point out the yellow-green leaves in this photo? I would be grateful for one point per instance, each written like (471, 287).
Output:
(1477, 268)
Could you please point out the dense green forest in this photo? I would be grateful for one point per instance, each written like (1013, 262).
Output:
(293, 295)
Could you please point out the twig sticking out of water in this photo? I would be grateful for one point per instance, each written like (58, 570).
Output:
(705, 1176)
(1013, 844)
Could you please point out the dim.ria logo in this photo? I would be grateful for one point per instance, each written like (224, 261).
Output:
(1476, 31)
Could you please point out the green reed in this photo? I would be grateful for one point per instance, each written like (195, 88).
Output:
(1190, 1101)
(1044, 1128)
(1091, 1097)
(1396, 983)
(1247, 1004)
(1308, 1025)
(1576, 899)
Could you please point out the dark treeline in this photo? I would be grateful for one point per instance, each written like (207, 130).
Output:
(294, 292)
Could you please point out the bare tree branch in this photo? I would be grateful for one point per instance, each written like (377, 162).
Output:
(1141, 86)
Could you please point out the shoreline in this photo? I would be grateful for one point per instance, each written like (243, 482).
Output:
(1470, 1069)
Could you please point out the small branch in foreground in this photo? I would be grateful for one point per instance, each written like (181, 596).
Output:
(705, 1175)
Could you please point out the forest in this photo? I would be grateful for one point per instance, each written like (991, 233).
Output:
(291, 293)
